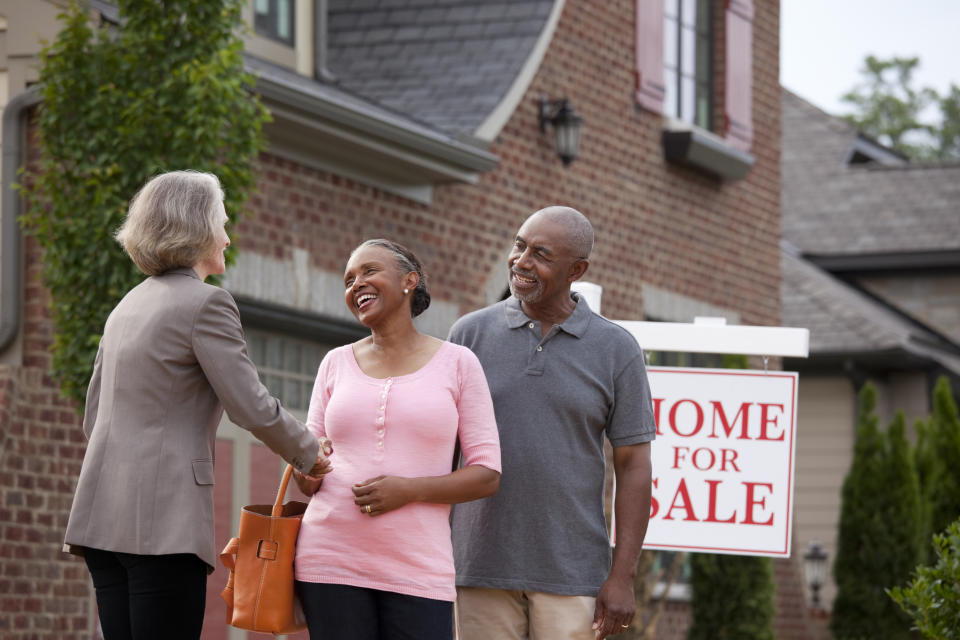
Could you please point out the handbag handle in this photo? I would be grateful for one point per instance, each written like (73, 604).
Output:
(282, 491)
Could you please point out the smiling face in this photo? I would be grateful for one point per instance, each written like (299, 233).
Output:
(541, 263)
(374, 286)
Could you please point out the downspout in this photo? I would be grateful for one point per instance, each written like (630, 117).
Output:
(11, 276)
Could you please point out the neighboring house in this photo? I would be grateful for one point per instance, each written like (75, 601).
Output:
(419, 120)
(871, 265)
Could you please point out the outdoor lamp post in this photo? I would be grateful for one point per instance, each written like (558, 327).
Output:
(815, 568)
(566, 126)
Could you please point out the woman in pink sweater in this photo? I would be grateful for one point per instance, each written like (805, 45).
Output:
(374, 558)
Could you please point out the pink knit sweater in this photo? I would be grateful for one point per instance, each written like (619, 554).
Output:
(402, 426)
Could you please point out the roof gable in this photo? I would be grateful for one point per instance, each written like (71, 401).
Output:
(446, 63)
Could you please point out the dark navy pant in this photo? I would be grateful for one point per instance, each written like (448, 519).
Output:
(343, 612)
(147, 597)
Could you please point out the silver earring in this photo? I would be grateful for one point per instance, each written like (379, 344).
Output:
(406, 291)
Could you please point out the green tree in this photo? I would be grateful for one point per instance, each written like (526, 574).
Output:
(932, 599)
(949, 130)
(166, 90)
(732, 595)
(889, 108)
(880, 529)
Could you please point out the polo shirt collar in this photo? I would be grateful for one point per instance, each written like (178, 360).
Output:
(575, 324)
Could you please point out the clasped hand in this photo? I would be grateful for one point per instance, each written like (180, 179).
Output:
(382, 494)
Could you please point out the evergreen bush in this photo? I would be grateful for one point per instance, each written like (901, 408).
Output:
(880, 529)
(732, 597)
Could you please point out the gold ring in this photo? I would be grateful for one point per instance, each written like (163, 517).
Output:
(367, 508)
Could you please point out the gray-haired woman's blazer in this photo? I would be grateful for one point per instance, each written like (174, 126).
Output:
(171, 359)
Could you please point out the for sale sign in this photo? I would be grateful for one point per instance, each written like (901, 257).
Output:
(722, 461)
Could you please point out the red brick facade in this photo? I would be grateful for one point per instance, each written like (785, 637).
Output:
(658, 224)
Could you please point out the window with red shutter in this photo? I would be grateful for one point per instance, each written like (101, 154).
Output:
(674, 59)
(650, 89)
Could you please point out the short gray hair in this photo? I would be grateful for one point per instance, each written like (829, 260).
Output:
(172, 221)
(407, 262)
(578, 229)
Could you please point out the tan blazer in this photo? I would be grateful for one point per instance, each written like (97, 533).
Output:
(171, 359)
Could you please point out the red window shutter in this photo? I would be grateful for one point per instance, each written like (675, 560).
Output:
(738, 126)
(650, 87)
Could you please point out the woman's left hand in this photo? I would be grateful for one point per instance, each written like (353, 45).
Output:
(382, 494)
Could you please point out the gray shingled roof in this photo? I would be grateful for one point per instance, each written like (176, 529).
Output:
(832, 209)
(843, 320)
(446, 63)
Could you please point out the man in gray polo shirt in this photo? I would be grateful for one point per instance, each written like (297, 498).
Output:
(533, 560)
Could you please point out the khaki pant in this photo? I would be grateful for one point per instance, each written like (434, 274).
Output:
(496, 614)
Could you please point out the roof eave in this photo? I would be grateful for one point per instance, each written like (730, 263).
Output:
(460, 157)
(895, 260)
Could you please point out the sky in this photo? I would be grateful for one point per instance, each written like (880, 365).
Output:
(823, 44)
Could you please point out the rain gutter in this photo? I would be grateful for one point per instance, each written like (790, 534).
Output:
(11, 271)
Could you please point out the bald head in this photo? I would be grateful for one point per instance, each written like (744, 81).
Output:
(577, 229)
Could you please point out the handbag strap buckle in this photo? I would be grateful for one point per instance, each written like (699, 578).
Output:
(267, 549)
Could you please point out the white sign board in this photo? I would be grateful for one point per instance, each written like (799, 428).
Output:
(723, 461)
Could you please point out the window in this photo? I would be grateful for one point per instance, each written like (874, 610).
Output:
(274, 19)
(674, 51)
(287, 366)
(687, 61)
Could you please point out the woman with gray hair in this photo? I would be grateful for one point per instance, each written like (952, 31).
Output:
(171, 359)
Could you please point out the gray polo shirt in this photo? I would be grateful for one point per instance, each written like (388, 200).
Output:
(555, 398)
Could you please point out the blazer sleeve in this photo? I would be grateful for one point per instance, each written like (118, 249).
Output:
(222, 353)
(93, 395)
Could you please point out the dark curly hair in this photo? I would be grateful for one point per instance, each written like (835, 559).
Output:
(407, 262)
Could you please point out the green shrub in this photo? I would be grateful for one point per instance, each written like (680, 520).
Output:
(932, 599)
(732, 597)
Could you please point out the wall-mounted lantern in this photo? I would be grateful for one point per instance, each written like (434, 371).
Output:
(566, 126)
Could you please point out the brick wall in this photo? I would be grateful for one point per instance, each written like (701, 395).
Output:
(43, 592)
(665, 226)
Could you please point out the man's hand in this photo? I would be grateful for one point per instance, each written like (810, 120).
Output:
(615, 607)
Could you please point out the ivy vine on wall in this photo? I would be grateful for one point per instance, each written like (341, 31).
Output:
(164, 90)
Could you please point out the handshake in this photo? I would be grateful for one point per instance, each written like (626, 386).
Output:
(310, 482)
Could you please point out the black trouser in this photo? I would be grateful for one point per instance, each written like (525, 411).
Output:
(343, 612)
(147, 597)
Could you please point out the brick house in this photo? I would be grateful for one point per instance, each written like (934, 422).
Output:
(419, 120)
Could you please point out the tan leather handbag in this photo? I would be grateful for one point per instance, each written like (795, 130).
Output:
(259, 592)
